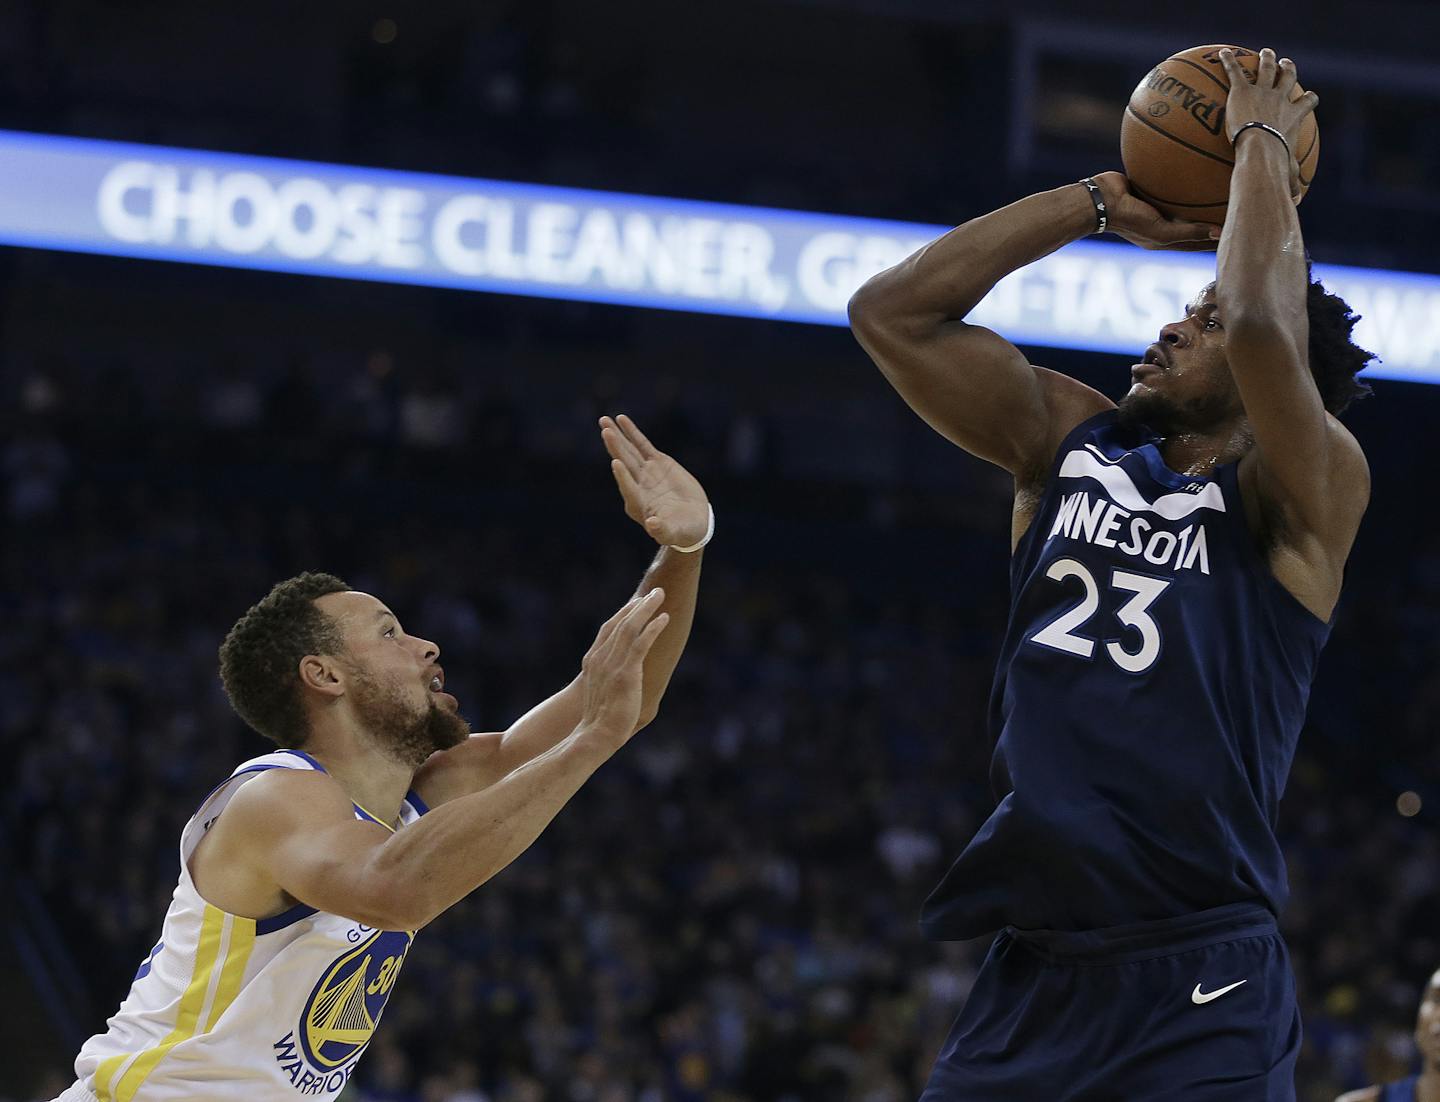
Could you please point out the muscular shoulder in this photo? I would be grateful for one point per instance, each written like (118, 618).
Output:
(1320, 537)
(264, 811)
(280, 800)
(1368, 1094)
(1349, 469)
(1346, 480)
(1307, 548)
(1068, 402)
(229, 865)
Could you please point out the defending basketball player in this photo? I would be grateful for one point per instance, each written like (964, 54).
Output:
(1424, 1087)
(1176, 562)
(306, 874)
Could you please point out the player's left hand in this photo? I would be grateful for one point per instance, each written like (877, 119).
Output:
(1141, 224)
(660, 495)
(1273, 99)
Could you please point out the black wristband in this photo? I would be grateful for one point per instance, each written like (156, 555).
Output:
(1265, 126)
(1102, 213)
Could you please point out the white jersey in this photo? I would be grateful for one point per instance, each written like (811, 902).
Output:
(251, 1010)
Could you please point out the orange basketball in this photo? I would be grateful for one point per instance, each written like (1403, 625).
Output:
(1173, 140)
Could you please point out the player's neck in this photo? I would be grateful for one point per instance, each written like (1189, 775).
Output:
(1428, 1087)
(376, 782)
(1199, 452)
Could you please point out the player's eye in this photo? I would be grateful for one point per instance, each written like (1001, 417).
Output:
(389, 633)
(1212, 322)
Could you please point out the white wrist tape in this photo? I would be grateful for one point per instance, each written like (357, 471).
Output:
(709, 535)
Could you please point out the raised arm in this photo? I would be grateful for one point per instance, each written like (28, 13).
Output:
(669, 503)
(1307, 464)
(300, 833)
(968, 383)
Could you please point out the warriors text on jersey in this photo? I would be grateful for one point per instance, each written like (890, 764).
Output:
(230, 1008)
(1150, 690)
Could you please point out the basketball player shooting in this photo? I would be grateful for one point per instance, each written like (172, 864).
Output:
(1176, 561)
(305, 875)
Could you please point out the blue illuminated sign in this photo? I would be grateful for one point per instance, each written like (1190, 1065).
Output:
(488, 235)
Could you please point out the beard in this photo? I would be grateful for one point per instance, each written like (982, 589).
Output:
(401, 734)
(1165, 416)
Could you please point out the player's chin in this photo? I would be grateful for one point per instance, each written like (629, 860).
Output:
(1146, 405)
(1141, 398)
(449, 727)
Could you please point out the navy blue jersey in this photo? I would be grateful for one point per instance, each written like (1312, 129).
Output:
(1150, 689)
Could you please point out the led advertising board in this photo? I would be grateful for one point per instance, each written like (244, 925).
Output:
(301, 217)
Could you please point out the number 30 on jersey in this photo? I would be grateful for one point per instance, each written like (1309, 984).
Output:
(1062, 634)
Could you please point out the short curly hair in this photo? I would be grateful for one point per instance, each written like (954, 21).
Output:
(260, 657)
(1335, 359)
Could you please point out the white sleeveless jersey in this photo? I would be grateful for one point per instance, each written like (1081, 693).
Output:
(229, 1008)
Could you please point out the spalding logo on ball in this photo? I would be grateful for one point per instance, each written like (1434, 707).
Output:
(1173, 142)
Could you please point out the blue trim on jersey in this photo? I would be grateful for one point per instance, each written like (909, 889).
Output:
(1162, 472)
(284, 918)
(361, 813)
(231, 777)
(149, 961)
(306, 757)
(420, 806)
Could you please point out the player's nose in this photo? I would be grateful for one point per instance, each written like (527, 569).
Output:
(429, 651)
(1174, 334)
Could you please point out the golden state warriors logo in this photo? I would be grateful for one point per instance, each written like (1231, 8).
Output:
(346, 1005)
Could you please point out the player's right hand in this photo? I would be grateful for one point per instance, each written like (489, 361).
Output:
(1268, 99)
(1141, 224)
(660, 495)
(612, 671)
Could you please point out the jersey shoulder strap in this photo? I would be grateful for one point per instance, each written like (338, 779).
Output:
(214, 802)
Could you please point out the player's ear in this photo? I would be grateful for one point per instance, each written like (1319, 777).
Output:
(323, 675)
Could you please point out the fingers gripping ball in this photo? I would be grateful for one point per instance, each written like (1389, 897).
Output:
(1173, 139)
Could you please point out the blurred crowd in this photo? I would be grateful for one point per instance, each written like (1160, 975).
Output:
(728, 910)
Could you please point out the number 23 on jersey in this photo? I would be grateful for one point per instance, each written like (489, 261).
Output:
(1065, 632)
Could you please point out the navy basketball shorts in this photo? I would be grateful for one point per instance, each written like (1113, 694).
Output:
(1193, 1009)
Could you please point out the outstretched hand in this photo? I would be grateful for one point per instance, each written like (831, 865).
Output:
(1141, 224)
(660, 495)
(612, 671)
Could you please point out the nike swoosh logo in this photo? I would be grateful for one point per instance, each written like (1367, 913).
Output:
(1201, 998)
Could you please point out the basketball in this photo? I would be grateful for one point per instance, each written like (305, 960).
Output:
(1173, 140)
